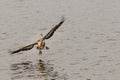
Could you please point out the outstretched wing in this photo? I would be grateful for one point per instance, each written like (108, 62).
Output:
(24, 48)
(51, 32)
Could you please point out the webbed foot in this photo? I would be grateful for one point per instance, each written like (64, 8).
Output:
(47, 47)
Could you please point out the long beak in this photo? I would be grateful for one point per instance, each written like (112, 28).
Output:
(41, 36)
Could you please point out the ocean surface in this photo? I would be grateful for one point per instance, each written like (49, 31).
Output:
(85, 47)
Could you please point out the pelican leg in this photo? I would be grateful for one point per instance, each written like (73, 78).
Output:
(40, 52)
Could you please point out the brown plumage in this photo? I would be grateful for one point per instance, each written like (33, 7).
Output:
(28, 47)
(41, 42)
(51, 32)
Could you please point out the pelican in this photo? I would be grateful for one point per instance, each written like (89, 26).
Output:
(41, 42)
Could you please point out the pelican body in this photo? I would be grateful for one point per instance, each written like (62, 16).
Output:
(41, 42)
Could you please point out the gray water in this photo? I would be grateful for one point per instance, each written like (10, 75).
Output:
(85, 47)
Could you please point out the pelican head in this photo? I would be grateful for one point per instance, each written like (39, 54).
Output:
(41, 35)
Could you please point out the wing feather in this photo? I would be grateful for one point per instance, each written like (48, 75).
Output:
(28, 47)
(51, 32)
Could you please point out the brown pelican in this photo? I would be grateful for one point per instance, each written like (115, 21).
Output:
(41, 42)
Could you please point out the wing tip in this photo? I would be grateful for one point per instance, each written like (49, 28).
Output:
(62, 19)
(13, 52)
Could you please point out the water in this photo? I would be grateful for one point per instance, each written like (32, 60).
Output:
(85, 47)
(40, 70)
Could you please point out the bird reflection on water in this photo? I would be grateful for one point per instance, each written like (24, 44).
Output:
(40, 70)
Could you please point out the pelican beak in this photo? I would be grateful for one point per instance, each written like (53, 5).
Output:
(41, 35)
